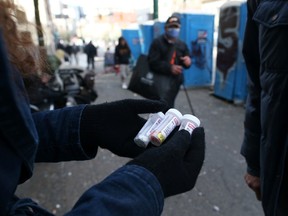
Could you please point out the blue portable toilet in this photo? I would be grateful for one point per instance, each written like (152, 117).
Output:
(158, 28)
(147, 32)
(231, 73)
(135, 42)
(197, 30)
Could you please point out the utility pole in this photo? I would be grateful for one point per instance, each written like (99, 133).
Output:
(51, 24)
(38, 24)
(155, 7)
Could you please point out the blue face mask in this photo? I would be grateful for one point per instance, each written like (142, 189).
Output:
(173, 32)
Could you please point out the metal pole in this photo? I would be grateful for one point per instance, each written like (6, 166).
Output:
(38, 24)
(189, 101)
(155, 14)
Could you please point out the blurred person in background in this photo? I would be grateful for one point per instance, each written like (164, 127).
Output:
(91, 52)
(122, 57)
(169, 56)
(108, 60)
(68, 50)
(75, 50)
(76, 133)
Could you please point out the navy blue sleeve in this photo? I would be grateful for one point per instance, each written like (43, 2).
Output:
(10, 169)
(59, 135)
(130, 190)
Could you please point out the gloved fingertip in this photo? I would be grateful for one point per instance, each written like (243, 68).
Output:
(183, 133)
(179, 142)
(198, 133)
(198, 138)
(160, 104)
(165, 105)
(198, 130)
(150, 106)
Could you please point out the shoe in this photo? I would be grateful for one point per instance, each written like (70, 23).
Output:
(124, 86)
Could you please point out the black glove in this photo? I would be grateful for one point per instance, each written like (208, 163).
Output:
(114, 125)
(177, 162)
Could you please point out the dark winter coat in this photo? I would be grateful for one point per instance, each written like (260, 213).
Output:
(160, 54)
(90, 50)
(122, 54)
(266, 122)
(159, 58)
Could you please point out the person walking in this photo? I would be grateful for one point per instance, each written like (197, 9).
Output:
(91, 52)
(122, 58)
(75, 50)
(108, 60)
(168, 56)
(265, 145)
(68, 50)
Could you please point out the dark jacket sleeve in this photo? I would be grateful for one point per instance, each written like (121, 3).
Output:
(59, 135)
(130, 190)
(10, 168)
(161, 52)
(157, 62)
(18, 136)
(252, 130)
(116, 55)
(185, 52)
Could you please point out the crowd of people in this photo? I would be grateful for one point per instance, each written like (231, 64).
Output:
(116, 61)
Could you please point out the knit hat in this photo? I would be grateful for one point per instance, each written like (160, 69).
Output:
(173, 21)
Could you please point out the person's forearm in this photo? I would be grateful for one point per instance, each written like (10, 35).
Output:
(130, 190)
(252, 131)
(161, 67)
(157, 65)
(59, 135)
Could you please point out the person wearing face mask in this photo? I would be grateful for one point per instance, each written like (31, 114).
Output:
(168, 55)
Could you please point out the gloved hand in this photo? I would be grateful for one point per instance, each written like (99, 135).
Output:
(177, 162)
(114, 125)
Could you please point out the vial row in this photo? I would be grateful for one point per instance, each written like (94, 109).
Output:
(159, 126)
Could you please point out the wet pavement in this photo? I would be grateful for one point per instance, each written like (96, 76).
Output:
(220, 189)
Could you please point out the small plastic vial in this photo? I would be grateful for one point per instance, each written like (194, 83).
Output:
(171, 120)
(142, 139)
(189, 123)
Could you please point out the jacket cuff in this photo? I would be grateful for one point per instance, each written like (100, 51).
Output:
(152, 185)
(253, 172)
(251, 151)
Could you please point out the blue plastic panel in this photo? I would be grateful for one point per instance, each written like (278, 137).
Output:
(158, 29)
(147, 31)
(197, 30)
(230, 79)
(134, 41)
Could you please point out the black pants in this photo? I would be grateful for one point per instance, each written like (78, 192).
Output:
(168, 88)
(90, 60)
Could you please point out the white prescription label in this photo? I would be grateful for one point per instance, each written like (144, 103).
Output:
(169, 127)
(156, 123)
(189, 126)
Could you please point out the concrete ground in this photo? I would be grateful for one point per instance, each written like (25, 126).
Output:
(220, 189)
